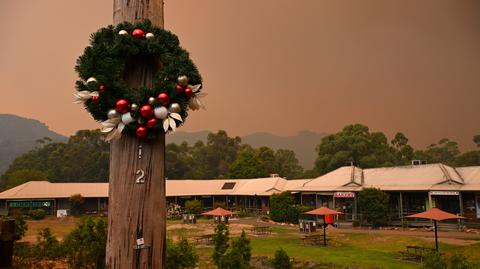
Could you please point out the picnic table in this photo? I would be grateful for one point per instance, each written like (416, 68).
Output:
(206, 239)
(261, 230)
(315, 239)
(416, 253)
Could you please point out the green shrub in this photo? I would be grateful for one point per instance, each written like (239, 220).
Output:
(193, 207)
(76, 204)
(281, 207)
(373, 205)
(181, 255)
(37, 214)
(221, 204)
(47, 245)
(281, 260)
(238, 254)
(21, 226)
(85, 245)
(220, 243)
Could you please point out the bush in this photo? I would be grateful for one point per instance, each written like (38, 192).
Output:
(220, 242)
(76, 204)
(21, 226)
(281, 260)
(238, 254)
(373, 205)
(435, 260)
(47, 245)
(37, 214)
(174, 211)
(221, 204)
(283, 208)
(193, 207)
(181, 255)
(85, 245)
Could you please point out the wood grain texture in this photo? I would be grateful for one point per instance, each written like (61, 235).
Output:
(138, 10)
(137, 210)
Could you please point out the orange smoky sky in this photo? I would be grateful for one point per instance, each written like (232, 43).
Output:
(279, 66)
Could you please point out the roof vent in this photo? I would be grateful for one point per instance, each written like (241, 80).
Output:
(419, 162)
(274, 175)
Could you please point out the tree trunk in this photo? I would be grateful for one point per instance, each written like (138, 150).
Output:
(137, 206)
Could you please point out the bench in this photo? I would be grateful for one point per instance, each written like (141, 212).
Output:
(206, 239)
(314, 239)
(416, 253)
(261, 230)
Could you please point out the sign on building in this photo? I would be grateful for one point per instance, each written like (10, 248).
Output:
(444, 193)
(344, 194)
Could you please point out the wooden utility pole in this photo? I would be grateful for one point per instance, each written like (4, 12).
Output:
(137, 205)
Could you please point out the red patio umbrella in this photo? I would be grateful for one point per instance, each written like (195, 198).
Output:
(218, 212)
(322, 211)
(435, 214)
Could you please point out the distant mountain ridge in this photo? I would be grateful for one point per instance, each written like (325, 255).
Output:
(303, 143)
(19, 135)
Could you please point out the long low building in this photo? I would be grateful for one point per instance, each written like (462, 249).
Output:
(412, 189)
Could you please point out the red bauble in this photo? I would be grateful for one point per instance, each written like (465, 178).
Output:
(95, 99)
(179, 89)
(138, 33)
(151, 123)
(101, 88)
(122, 106)
(146, 111)
(142, 132)
(188, 92)
(164, 99)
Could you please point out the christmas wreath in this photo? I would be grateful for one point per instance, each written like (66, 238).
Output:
(144, 111)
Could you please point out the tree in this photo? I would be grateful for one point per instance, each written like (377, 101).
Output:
(220, 243)
(286, 164)
(247, 165)
(469, 158)
(281, 206)
(181, 255)
(445, 151)
(193, 207)
(403, 150)
(281, 260)
(238, 254)
(85, 245)
(84, 158)
(266, 156)
(476, 140)
(76, 204)
(355, 143)
(18, 177)
(373, 204)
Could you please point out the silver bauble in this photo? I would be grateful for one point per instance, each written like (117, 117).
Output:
(151, 100)
(183, 80)
(149, 35)
(127, 118)
(113, 114)
(161, 112)
(175, 108)
(123, 32)
(91, 79)
(134, 107)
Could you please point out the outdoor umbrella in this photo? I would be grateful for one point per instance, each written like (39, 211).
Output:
(218, 212)
(322, 211)
(435, 214)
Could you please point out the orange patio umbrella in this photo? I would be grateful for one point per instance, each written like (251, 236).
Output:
(218, 212)
(322, 211)
(435, 214)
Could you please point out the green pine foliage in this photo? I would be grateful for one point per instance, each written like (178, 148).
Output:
(85, 245)
(21, 225)
(220, 243)
(109, 55)
(238, 254)
(281, 260)
(181, 255)
(373, 205)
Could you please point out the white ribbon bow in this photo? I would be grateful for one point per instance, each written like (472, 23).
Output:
(195, 103)
(82, 96)
(169, 122)
(114, 127)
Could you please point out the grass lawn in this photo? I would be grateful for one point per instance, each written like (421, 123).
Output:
(357, 248)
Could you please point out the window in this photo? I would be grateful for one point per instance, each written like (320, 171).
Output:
(228, 186)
